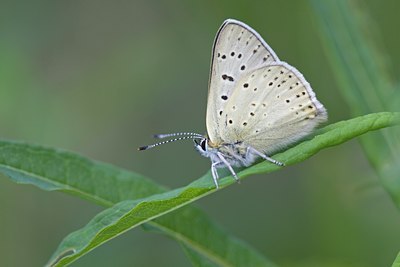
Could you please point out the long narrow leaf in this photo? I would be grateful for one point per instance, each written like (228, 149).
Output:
(52, 169)
(131, 213)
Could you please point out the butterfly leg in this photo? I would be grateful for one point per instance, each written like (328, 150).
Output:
(221, 157)
(214, 172)
(253, 150)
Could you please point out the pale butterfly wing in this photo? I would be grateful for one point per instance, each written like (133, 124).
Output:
(237, 51)
(271, 107)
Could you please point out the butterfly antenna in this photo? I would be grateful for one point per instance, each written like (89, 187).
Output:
(169, 141)
(161, 136)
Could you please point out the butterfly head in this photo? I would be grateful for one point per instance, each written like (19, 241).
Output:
(205, 146)
(201, 145)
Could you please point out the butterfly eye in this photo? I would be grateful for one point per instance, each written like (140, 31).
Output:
(203, 144)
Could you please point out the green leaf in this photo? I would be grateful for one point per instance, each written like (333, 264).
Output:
(131, 213)
(52, 169)
(352, 49)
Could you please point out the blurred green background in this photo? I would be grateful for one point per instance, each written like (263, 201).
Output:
(100, 77)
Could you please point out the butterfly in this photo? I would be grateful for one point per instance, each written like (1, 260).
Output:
(257, 104)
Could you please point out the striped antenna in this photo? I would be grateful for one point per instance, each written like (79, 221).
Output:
(161, 136)
(172, 140)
